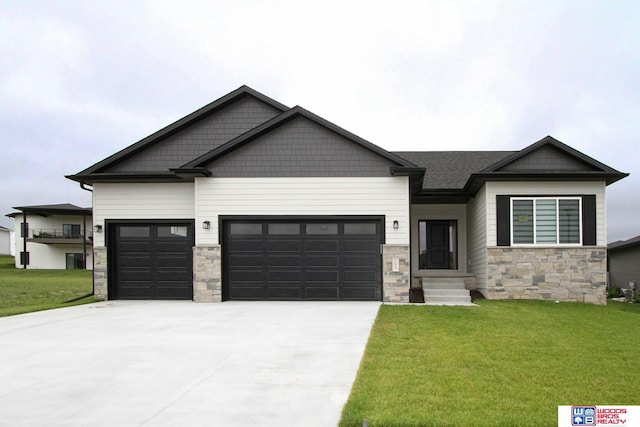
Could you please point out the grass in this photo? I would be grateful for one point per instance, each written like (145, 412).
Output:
(24, 291)
(505, 363)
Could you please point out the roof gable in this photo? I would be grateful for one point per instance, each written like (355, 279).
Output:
(298, 139)
(549, 155)
(193, 135)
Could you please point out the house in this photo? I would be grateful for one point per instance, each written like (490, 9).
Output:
(5, 240)
(249, 199)
(53, 237)
(624, 263)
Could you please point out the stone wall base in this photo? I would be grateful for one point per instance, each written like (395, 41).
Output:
(207, 274)
(396, 273)
(557, 274)
(100, 279)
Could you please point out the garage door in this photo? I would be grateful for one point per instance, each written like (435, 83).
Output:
(319, 259)
(151, 260)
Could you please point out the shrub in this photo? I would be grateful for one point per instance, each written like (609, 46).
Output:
(614, 292)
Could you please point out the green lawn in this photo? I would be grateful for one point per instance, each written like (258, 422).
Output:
(504, 363)
(23, 291)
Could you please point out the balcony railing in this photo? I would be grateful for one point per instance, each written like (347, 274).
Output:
(55, 233)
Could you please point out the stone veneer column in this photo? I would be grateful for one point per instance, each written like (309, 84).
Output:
(558, 274)
(395, 273)
(207, 274)
(100, 289)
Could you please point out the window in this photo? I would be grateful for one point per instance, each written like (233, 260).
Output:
(70, 231)
(173, 231)
(75, 261)
(322, 229)
(546, 221)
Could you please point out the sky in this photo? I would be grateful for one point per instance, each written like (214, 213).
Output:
(80, 80)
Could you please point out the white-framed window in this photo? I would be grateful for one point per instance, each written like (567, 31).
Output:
(546, 221)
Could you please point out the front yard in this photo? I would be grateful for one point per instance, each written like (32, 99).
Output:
(23, 291)
(505, 363)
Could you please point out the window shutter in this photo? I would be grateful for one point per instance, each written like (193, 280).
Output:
(589, 220)
(503, 214)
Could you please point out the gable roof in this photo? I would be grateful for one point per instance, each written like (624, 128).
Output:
(451, 169)
(623, 244)
(5, 229)
(46, 210)
(278, 121)
(171, 129)
(460, 174)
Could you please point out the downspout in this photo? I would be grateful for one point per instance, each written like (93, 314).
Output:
(93, 262)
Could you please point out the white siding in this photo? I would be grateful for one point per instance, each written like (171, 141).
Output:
(477, 237)
(444, 212)
(550, 188)
(5, 242)
(388, 196)
(141, 201)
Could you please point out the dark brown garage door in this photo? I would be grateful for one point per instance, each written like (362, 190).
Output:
(151, 260)
(319, 259)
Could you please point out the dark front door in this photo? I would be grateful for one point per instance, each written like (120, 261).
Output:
(151, 260)
(438, 245)
(302, 259)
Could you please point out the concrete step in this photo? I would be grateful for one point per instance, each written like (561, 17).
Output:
(448, 300)
(445, 291)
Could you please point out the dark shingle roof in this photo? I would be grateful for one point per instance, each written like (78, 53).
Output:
(450, 170)
(621, 244)
(62, 208)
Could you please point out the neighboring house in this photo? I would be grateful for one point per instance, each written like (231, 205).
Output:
(624, 263)
(53, 237)
(5, 240)
(249, 199)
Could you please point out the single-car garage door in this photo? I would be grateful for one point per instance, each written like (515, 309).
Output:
(151, 260)
(314, 259)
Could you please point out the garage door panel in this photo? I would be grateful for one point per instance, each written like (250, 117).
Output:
(151, 261)
(289, 260)
(365, 245)
(280, 276)
(306, 259)
(360, 260)
(247, 277)
(321, 245)
(246, 260)
(360, 293)
(248, 292)
(284, 245)
(362, 276)
(322, 293)
(284, 292)
(323, 276)
(134, 247)
(134, 260)
(245, 245)
(313, 260)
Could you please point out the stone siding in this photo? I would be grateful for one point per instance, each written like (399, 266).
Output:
(396, 273)
(557, 274)
(207, 274)
(100, 279)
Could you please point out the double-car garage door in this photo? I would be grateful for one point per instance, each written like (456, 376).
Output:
(324, 258)
(314, 259)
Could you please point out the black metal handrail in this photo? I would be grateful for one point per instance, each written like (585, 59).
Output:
(56, 233)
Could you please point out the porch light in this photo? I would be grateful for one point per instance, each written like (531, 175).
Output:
(98, 228)
(206, 225)
(396, 225)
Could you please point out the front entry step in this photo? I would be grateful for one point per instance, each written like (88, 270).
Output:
(445, 291)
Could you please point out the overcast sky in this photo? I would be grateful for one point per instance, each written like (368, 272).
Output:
(81, 80)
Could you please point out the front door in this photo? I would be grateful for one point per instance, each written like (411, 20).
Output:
(438, 244)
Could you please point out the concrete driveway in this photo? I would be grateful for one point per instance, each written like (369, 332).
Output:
(173, 363)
